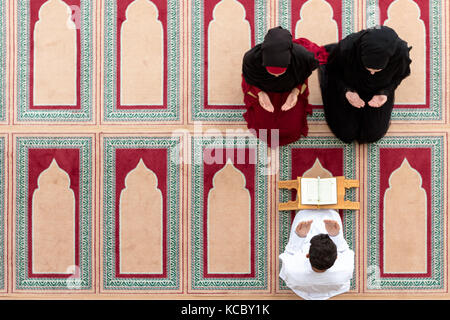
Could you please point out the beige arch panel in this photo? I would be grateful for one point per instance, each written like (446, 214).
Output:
(317, 170)
(229, 37)
(142, 55)
(53, 222)
(229, 214)
(141, 225)
(405, 224)
(404, 18)
(55, 56)
(317, 25)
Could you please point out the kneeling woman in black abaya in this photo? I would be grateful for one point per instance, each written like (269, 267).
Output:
(358, 83)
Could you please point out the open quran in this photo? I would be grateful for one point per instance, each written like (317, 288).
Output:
(318, 191)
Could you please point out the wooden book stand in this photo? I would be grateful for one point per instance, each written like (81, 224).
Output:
(342, 184)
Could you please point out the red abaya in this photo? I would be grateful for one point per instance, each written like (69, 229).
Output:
(291, 124)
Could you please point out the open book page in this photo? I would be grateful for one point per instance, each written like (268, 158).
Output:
(327, 191)
(310, 190)
(318, 191)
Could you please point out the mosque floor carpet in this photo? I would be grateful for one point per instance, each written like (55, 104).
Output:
(127, 171)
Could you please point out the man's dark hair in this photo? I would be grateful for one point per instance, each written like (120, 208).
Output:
(322, 252)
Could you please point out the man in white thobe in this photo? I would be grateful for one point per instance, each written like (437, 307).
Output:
(317, 263)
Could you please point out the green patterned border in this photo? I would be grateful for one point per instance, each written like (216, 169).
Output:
(198, 60)
(84, 144)
(348, 10)
(260, 281)
(350, 167)
(172, 282)
(437, 280)
(435, 103)
(173, 74)
(23, 69)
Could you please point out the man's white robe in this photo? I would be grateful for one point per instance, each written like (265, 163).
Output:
(296, 269)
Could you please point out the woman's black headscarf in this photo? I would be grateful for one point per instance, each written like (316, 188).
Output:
(375, 48)
(278, 50)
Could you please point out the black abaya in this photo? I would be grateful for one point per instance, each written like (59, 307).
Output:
(376, 48)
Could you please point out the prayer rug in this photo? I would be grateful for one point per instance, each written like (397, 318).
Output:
(406, 213)
(221, 32)
(53, 251)
(3, 217)
(334, 19)
(420, 96)
(127, 170)
(42, 96)
(139, 39)
(229, 235)
(319, 156)
(4, 83)
(141, 205)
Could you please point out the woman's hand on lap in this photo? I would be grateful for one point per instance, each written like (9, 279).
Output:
(354, 99)
(265, 102)
(291, 100)
(377, 101)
